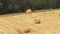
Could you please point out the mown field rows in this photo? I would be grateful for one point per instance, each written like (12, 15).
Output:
(17, 23)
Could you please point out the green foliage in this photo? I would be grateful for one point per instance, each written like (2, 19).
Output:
(22, 5)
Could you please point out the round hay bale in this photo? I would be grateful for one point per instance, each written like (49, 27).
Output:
(37, 21)
(29, 11)
(27, 30)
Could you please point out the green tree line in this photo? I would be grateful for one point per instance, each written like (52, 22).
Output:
(13, 6)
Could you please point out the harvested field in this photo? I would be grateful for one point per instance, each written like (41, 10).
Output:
(17, 23)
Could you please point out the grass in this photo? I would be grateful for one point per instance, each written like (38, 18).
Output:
(16, 23)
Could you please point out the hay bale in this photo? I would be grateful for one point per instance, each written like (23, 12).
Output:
(27, 30)
(37, 21)
(29, 11)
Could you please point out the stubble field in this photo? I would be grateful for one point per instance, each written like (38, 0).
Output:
(17, 23)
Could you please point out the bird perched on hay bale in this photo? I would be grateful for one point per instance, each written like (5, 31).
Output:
(29, 11)
(37, 21)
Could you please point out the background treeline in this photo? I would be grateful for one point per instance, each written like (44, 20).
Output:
(13, 6)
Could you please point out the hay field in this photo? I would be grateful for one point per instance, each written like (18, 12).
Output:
(17, 23)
